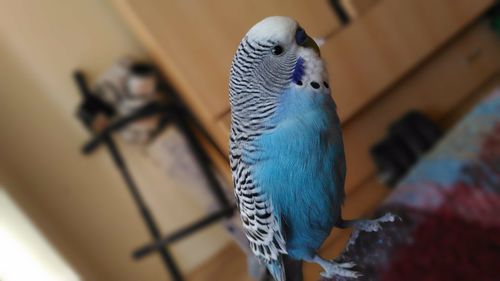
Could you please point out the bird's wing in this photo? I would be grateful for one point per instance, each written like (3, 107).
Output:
(261, 225)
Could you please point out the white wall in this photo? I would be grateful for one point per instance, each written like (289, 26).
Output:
(26, 254)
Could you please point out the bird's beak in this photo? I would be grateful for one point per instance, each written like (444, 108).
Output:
(306, 41)
(310, 43)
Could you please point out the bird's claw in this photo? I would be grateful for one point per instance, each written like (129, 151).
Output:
(374, 225)
(370, 226)
(340, 269)
(347, 264)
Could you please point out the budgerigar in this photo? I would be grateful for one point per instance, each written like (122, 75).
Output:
(286, 149)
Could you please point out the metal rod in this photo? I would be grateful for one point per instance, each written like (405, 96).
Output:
(204, 162)
(80, 81)
(184, 111)
(148, 110)
(145, 212)
(147, 249)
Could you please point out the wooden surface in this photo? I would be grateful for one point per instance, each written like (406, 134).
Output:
(194, 41)
(356, 8)
(434, 89)
(229, 265)
(380, 47)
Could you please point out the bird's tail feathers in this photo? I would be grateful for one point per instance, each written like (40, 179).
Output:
(285, 269)
(276, 269)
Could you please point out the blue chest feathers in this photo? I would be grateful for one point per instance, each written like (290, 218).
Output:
(301, 167)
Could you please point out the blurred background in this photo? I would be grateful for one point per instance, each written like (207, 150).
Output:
(403, 74)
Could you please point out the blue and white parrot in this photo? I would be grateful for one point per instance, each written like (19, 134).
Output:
(286, 149)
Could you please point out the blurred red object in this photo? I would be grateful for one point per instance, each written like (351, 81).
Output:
(460, 241)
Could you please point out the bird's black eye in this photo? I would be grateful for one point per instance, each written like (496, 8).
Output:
(277, 50)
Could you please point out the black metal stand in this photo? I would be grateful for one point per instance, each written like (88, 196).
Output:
(171, 113)
(165, 254)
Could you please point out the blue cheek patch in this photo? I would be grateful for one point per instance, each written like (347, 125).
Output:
(298, 72)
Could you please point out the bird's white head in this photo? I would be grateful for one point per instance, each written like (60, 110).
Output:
(280, 29)
(276, 54)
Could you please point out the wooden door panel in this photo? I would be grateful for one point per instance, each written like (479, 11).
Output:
(392, 38)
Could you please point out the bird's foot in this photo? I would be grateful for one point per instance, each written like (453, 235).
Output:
(370, 226)
(339, 269)
(332, 268)
(374, 225)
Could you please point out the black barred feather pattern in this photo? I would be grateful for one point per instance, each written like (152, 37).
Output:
(254, 89)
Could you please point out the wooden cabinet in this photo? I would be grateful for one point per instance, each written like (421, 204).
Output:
(435, 88)
(194, 42)
(379, 48)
